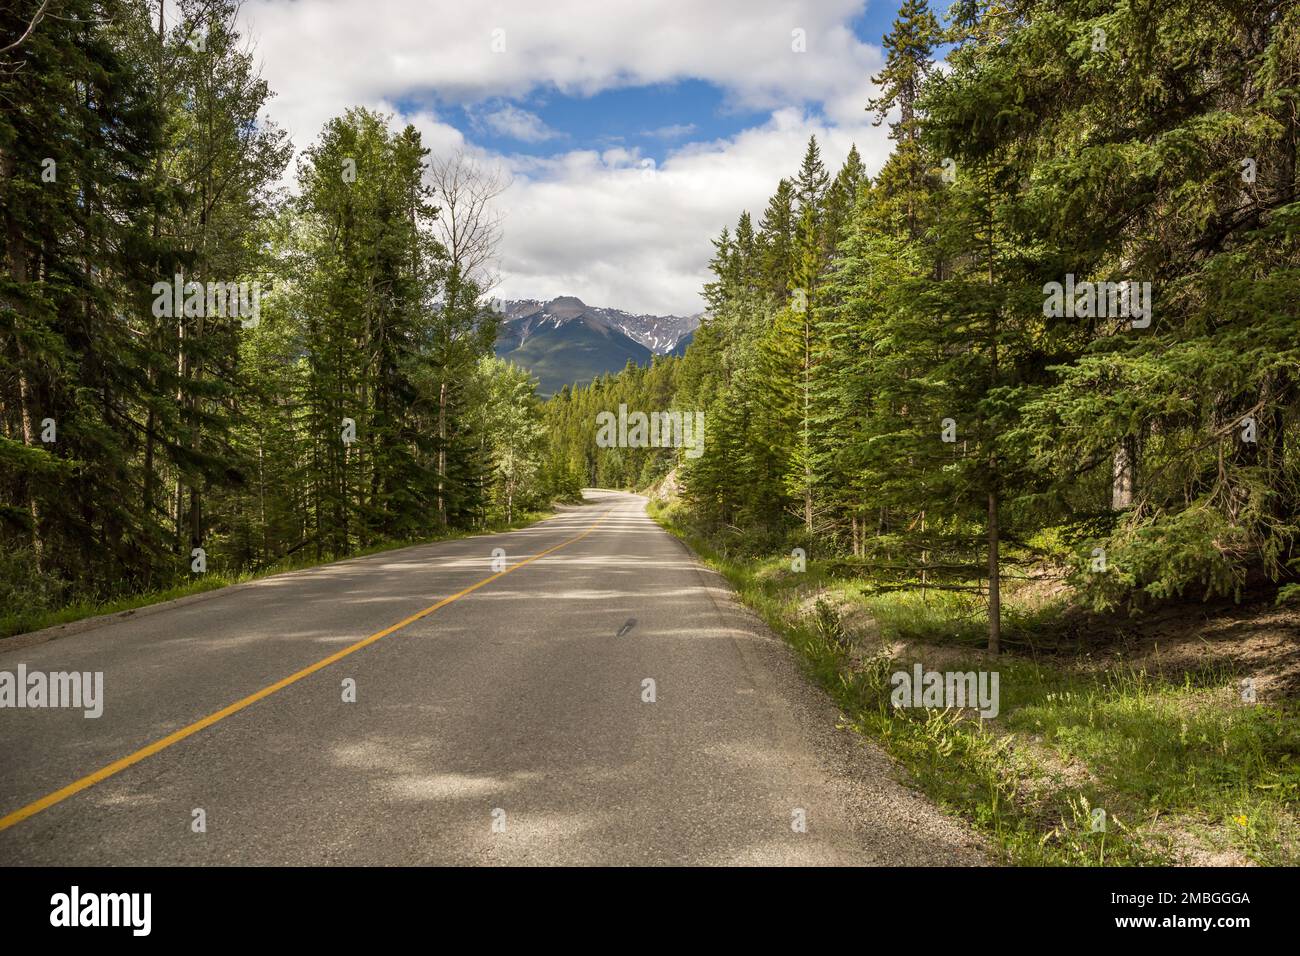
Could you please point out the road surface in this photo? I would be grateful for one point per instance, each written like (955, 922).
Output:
(512, 724)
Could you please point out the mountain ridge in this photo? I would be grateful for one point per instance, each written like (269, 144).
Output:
(563, 341)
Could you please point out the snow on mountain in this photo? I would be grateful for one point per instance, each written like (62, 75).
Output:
(523, 318)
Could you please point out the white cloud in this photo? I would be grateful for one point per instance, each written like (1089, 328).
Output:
(517, 124)
(675, 131)
(588, 223)
(324, 55)
(602, 227)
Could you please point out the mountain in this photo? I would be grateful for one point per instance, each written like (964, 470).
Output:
(565, 341)
(680, 348)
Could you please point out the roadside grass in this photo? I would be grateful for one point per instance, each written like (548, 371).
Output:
(1185, 771)
(15, 620)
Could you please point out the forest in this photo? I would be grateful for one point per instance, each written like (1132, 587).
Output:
(203, 371)
(1059, 329)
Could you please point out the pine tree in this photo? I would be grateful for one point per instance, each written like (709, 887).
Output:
(909, 48)
(811, 181)
(77, 138)
(842, 201)
(776, 241)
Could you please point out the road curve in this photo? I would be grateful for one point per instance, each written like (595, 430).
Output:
(510, 725)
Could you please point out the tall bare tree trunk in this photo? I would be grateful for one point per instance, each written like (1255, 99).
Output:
(807, 461)
(442, 451)
(17, 265)
(151, 420)
(261, 499)
(995, 580)
(1123, 483)
(29, 438)
(925, 559)
(995, 572)
(179, 498)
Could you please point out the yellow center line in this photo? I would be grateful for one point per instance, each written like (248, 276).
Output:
(117, 766)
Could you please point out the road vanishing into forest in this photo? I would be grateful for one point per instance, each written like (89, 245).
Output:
(499, 718)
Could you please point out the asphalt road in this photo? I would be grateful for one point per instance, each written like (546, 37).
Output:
(508, 726)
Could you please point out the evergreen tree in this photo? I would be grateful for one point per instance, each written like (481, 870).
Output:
(776, 241)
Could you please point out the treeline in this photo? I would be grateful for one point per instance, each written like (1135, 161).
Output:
(1063, 319)
(198, 369)
(575, 460)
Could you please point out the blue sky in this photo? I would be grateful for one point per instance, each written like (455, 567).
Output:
(654, 119)
(573, 101)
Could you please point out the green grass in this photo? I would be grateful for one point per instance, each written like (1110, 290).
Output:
(1192, 750)
(21, 620)
(1173, 764)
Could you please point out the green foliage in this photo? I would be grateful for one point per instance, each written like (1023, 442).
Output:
(132, 154)
(880, 373)
(509, 417)
(574, 460)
